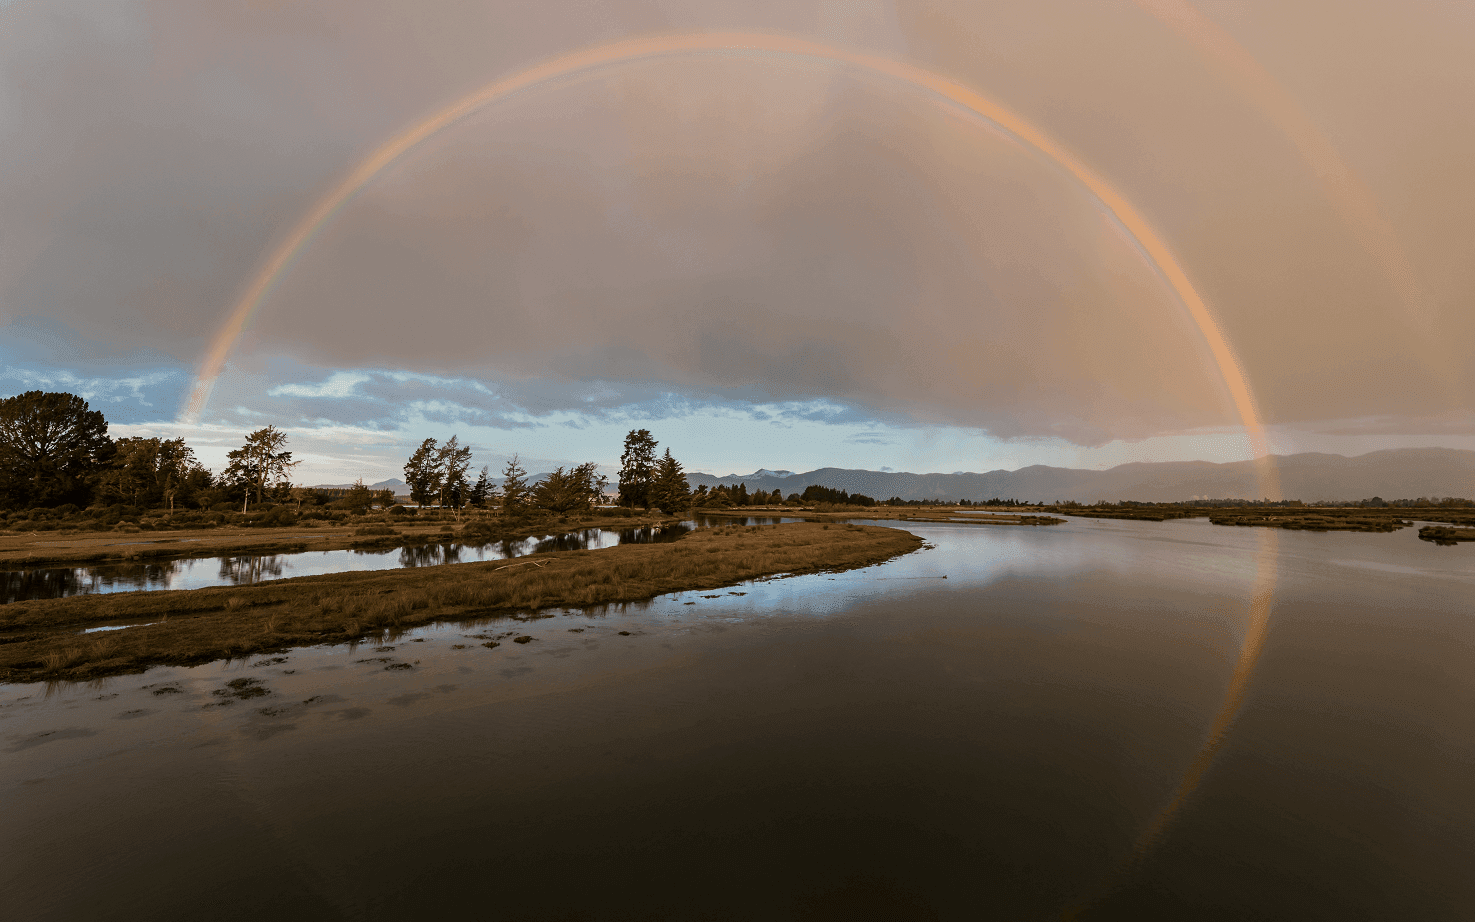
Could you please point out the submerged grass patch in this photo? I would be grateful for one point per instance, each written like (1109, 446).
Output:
(40, 640)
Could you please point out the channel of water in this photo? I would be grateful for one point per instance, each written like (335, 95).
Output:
(246, 569)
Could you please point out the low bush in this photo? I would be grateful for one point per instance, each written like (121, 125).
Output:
(279, 517)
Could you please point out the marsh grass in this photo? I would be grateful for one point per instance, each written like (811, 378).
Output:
(96, 543)
(39, 639)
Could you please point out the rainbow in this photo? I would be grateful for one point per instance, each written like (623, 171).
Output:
(1152, 246)
(726, 43)
(1340, 184)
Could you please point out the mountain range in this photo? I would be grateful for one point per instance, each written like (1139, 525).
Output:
(1312, 477)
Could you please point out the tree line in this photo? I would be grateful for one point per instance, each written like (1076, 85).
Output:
(55, 450)
(438, 474)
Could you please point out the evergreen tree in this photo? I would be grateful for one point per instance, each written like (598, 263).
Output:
(480, 491)
(514, 487)
(453, 461)
(637, 468)
(670, 491)
(52, 448)
(176, 464)
(423, 474)
(259, 461)
(567, 491)
(131, 477)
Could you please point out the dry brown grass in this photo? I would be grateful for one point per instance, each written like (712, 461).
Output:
(40, 640)
(51, 548)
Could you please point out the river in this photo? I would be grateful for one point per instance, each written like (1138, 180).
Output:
(1043, 731)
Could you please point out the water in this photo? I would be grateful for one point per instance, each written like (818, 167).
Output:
(245, 569)
(882, 743)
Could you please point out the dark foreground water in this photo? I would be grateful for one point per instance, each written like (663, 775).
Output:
(881, 744)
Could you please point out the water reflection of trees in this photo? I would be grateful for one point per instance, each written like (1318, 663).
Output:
(654, 534)
(63, 582)
(247, 570)
(718, 521)
(244, 570)
(429, 555)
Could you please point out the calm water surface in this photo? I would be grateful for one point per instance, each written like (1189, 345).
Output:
(876, 744)
(246, 569)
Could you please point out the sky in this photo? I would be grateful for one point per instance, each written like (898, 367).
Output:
(769, 257)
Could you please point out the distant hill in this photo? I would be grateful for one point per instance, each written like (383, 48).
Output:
(1312, 477)
(398, 486)
(401, 488)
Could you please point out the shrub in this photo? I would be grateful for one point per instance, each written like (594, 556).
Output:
(279, 517)
(370, 530)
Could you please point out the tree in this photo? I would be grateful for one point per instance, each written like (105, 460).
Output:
(52, 447)
(423, 473)
(514, 486)
(259, 461)
(481, 491)
(670, 490)
(637, 468)
(301, 495)
(176, 462)
(567, 491)
(131, 477)
(453, 461)
(357, 499)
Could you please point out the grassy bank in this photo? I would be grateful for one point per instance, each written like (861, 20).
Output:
(75, 547)
(1441, 534)
(41, 640)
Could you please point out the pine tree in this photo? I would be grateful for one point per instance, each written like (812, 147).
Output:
(637, 468)
(258, 461)
(423, 473)
(514, 486)
(479, 493)
(453, 461)
(52, 448)
(670, 491)
(567, 491)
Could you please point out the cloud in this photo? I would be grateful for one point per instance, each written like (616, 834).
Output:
(340, 384)
(681, 235)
